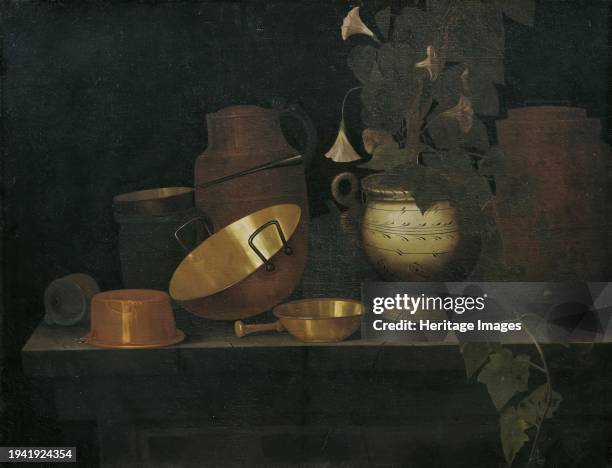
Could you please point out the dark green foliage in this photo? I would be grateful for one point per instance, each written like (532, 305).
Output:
(426, 80)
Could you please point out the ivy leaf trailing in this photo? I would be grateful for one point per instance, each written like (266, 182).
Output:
(513, 433)
(475, 355)
(536, 407)
(505, 375)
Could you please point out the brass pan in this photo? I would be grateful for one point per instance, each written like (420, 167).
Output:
(155, 202)
(312, 320)
(223, 278)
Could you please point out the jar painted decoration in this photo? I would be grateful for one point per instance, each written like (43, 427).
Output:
(400, 241)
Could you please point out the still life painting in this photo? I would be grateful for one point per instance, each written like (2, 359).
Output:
(195, 196)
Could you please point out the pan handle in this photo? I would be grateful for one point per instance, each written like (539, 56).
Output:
(204, 222)
(288, 250)
(241, 329)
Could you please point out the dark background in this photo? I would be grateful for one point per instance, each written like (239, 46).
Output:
(105, 98)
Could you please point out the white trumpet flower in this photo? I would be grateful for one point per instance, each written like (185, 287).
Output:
(342, 151)
(463, 112)
(353, 24)
(434, 63)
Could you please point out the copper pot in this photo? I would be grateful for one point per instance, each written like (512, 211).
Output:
(241, 138)
(244, 269)
(132, 318)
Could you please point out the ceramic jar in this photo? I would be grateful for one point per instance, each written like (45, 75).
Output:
(551, 206)
(401, 242)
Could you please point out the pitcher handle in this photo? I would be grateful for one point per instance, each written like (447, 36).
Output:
(295, 111)
(286, 248)
(349, 199)
(204, 222)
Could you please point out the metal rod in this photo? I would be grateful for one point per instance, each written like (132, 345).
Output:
(292, 160)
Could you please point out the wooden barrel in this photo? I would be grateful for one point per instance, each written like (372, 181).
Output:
(551, 196)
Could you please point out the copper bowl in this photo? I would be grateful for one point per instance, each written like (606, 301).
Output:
(312, 320)
(155, 202)
(132, 318)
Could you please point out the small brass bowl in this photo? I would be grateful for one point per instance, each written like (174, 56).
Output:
(320, 320)
(132, 318)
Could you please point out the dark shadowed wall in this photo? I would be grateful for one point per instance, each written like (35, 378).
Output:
(105, 98)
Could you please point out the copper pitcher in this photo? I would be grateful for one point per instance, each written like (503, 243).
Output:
(241, 138)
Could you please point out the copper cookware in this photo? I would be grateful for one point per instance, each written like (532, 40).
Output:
(244, 138)
(148, 220)
(157, 201)
(244, 269)
(312, 320)
(132, 318)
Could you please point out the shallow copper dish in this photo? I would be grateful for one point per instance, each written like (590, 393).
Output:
(312, 320)
(156, 202)
(132, 318)
(242, 270)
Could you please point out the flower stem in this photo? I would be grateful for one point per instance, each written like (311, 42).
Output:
(535, 366)
(345, 98)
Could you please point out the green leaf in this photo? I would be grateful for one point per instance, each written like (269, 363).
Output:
(477, 39)
(493, 163)
(487, 69)
(376, 76)
(532, 408)
(361, 60)
(384, 104)
(521, 11)
(415, 27)
(475, 355)
(437, 7)
(447, 134)
(383, 21)
(448, 88)
(505, 376)
(396, 61)
(476, 31)
(390, 156)
(513, 435)
(484, 95)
